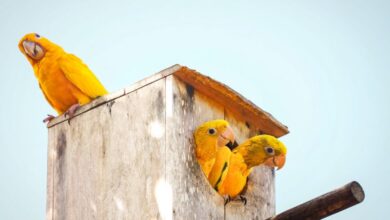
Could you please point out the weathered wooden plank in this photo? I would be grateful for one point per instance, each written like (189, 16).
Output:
(193, 196)
(51, 155)
(134, 154)
(260, 189)
(109, 161)
(76, 168)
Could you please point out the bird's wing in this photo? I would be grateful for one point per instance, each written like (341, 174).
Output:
(81, 76)
(236, 176)
(220, 168)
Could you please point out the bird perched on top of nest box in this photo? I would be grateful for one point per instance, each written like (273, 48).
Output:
(66, 82)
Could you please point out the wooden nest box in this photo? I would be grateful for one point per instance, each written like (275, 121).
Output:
(130, 154)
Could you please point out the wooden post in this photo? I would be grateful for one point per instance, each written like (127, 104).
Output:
(325, 205)
(130, 154)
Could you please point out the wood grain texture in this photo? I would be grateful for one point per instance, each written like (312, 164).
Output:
(108, 160)
(51, 156)
(76, 170)
(133, 157)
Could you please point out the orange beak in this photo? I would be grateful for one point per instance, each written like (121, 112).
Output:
(226, 137)
(276, 161)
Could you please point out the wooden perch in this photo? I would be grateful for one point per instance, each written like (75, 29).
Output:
(325, 205)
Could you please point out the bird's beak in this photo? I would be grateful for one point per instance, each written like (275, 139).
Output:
(226, 138)
(28, 47)
(32, 49)
(276, 161)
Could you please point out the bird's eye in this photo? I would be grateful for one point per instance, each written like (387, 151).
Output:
(212, 131)
(37, 35)
(269, 150)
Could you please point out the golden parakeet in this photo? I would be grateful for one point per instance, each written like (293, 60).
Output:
(261, 149)
(208, 138)
(66, 82)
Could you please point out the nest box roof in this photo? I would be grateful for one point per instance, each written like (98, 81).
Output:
(231, 100)
(242, 108)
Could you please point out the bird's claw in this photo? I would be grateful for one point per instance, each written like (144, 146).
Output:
(227, 200)
(71, 111)
(243, 199)
(48, 118)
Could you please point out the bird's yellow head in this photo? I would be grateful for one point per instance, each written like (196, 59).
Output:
(212, 134)
(35, 47)
(263, 149)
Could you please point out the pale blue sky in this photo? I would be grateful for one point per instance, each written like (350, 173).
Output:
(320, 67)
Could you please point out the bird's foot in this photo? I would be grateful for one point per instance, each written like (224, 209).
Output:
(48, 118)
(71, 111)
(243, 199)
(227, 200)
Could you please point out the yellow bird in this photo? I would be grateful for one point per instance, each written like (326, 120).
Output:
(209, 137)
(66, 82)
(261, 149)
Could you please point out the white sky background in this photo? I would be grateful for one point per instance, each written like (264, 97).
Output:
(320, 67)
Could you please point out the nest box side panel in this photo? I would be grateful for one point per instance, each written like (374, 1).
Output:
(75, 155)
(260, 193)
(107, 162)
(193, 197)
(133, 159)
